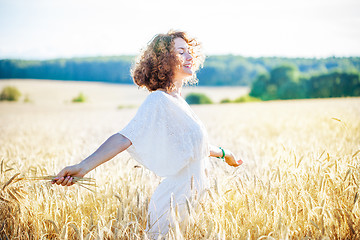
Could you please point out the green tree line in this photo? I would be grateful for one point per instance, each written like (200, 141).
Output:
(221, 70)
(99, 69)
(286, 82)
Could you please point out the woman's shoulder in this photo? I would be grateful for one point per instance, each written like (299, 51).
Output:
(157, 95)
(160, 100)
(155, 99)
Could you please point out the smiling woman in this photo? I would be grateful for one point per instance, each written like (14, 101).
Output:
(165, 135)
(156, 67)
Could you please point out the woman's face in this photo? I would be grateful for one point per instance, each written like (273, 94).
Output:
(185, 68)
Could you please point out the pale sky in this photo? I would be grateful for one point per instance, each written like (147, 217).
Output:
(45, 29)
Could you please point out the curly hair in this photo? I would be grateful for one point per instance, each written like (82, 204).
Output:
(154, 68)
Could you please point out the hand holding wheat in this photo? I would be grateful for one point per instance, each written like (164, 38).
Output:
(66, 176)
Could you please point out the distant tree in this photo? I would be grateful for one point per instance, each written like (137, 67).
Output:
(270, 93)
(258, 88)
(283, 82)
(290, 90)
(10, 93)
(284, 73)
(198, 98)
(286, 79)
(335, 84)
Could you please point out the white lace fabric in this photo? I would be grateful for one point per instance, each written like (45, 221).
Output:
(168, 139)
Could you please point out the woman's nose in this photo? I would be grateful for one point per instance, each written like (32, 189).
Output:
(189, 57)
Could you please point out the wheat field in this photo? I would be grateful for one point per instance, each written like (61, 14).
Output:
(300, 178)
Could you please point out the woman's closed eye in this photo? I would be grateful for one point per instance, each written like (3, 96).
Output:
(183, 50)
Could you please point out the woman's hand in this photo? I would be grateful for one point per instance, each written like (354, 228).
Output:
(229, 156)
(231, 160)
(65, 177)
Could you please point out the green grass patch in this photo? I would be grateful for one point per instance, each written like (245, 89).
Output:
(79, 99)
(198, 98)
(242, 99)
(10, 93)
(126, 106)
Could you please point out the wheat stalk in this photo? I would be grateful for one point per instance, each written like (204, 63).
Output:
(9, 181)
(82, 182)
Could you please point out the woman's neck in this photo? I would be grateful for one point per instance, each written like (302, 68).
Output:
(176, 90)
(177, 87)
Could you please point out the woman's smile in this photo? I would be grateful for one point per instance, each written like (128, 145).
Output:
(189, 65)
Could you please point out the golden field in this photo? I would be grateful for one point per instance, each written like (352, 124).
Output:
(300, 178)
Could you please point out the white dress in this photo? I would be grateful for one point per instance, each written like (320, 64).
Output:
(169, 139)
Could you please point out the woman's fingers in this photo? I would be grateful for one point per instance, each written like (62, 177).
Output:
(60, 177)
(58, 180)
(66, 176)
(62, 174)
(231, 160)
(235, 163)
(72, 182)
(69, 183)
(66, 181)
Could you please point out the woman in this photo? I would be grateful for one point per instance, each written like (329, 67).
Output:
(165, 135)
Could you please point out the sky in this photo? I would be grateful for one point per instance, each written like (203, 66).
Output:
(46, 29)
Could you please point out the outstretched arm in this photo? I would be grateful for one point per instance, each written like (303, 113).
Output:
(109, 149)
(229, 156)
